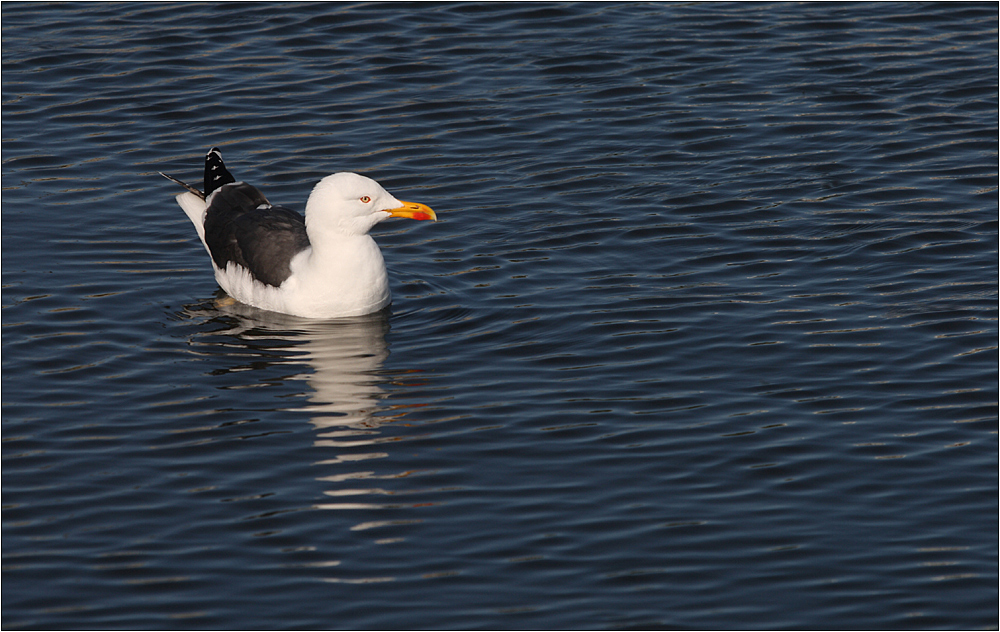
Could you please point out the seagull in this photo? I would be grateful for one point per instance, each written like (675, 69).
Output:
(324, 265)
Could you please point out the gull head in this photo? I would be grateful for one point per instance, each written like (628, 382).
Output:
(352, 204)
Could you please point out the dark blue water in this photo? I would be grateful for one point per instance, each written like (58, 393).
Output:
(706, 336)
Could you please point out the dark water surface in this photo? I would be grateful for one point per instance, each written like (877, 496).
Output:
(706, 336)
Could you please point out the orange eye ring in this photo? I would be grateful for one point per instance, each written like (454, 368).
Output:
(365, 199)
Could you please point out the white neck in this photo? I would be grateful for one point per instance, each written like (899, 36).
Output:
(343, 274)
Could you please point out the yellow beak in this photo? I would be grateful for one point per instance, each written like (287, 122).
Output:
(413, 210)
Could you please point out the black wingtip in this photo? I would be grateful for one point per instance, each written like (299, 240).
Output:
(216, 174)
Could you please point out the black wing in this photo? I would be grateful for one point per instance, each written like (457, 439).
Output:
(242, 227)
(216, 174)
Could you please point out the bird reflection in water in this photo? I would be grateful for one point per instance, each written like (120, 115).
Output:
(345, 396)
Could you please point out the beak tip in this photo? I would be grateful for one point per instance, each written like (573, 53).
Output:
(411, 210)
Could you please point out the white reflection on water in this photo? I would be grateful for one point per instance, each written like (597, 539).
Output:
(344, 359)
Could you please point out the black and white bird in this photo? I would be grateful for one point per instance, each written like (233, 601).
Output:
(325, 265)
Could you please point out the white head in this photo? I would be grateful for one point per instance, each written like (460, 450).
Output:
(352, 204)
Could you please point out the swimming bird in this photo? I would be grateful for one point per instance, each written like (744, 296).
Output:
(324, 265)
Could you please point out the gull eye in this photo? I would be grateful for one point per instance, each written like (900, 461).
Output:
(365, 199)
